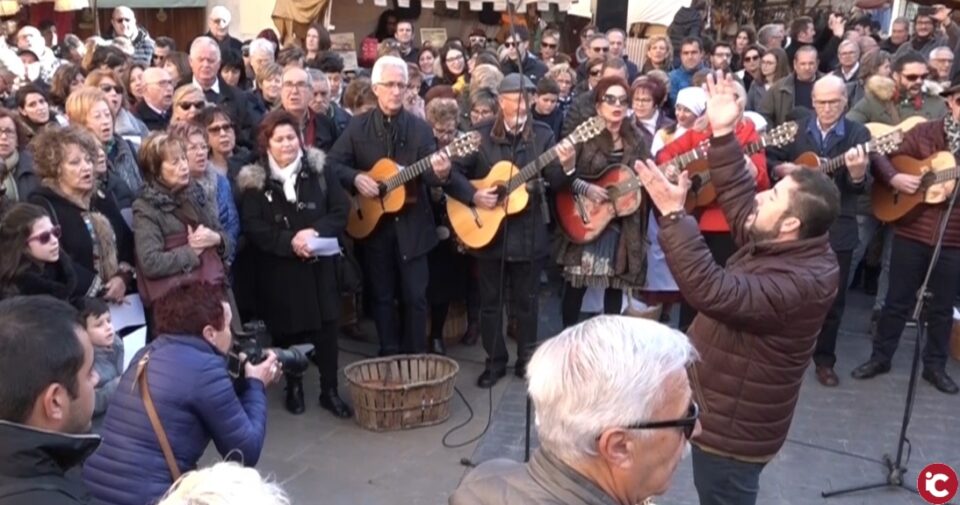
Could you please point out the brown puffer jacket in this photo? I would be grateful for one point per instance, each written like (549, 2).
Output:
(923, 141)
(758, 318)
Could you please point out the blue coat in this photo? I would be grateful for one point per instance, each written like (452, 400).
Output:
(196, 402)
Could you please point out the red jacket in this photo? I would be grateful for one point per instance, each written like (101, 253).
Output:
(711, 218)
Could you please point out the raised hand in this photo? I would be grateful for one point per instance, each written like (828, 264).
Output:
(667, 196)
(722, 108)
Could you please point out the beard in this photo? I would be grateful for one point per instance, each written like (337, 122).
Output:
(760, 235)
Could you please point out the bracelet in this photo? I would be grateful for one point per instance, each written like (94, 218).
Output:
(675, 216)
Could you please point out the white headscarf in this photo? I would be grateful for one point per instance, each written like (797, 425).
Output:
(694, 99)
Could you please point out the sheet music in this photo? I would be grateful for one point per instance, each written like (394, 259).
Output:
(132, 344)
(324, 246)
(129, 314)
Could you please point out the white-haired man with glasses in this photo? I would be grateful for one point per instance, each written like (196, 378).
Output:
(615, 413)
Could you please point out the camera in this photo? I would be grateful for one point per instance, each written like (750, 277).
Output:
(293, 360)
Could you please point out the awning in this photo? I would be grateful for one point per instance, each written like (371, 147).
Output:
(150, 4)
(477, 5)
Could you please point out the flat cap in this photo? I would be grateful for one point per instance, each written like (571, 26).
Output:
(514, 83)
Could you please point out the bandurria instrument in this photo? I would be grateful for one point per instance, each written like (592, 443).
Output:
(938, 178)
(392, 178)
(477, 227)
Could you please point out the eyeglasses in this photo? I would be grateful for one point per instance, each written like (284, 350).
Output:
(220, 128)
(915, 77)
(600, 49)
(8, 132)
(548, 46)
(396, 86)
(451, 59)
(510, 44)
(827, 103)
(594, 73)
(164, 83)
(189, 105)
(643, 100)
(751, 58)
(197, 147)
(122, 20)
(106, 88)
(45, 237)
(688, 423)
(615, 99)
(298, 85)
(767, 62)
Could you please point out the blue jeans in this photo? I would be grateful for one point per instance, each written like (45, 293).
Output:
(868, 227)
(725, 481)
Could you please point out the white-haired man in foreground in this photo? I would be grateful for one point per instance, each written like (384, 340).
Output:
(614, 417)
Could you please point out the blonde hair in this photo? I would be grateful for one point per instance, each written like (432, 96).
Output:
(666, 40)
(184, 90)
(95, 77)
(268, 70)
(485, 76)
(224, 483)
(440, 110)
(562, 68)
(81, 101)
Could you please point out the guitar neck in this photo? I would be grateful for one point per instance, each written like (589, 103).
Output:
(410, 173)
(532, 169)
(947, 175)
(837, 162)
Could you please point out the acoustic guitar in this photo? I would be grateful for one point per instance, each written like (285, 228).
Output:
(392, 179)
(583, 220)
(881, 129)
(880, 145)
(938, 178)
(702, 191)
(477, 227)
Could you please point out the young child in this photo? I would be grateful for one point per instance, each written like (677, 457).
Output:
(108, 353)
(545, 107)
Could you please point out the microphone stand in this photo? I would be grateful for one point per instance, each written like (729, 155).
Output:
(896, 468)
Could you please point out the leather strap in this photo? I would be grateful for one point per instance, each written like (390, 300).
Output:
(155, 419)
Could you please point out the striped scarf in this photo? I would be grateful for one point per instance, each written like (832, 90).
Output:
(951, 127)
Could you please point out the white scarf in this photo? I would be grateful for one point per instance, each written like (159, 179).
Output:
(651, 124)
(286, 175)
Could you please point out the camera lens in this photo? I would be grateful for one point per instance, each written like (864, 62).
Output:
(293, 360)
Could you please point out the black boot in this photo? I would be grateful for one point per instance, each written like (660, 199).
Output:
(294, 388)
(472, 335)
(330, 400)
(437, 346)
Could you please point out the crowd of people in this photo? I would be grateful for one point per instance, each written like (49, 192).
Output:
(212, 182)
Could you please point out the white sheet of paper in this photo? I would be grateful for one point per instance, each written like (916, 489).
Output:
(127, 216)
(132, 344)
(128, 314)
(324, 246)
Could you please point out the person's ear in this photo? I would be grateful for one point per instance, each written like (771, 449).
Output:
(615, 446)
(790, 225)
(210, 334)
(52, 405)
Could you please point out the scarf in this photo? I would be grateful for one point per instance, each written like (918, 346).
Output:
(904, 100)
(650, 125)
(8, 177)
(952, 130)
(286, 176)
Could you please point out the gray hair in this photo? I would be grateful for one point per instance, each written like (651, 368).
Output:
(317, 76)
(262, 46)
(831, 80)
(221, 483)
(939, 49)
(223, 12)
(606, 372)
(848, 42)
(766, 32)
(204, 41)
(388, 61)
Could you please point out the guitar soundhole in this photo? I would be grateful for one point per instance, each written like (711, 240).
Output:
(501, 192)
(382, 187)
(926, 180)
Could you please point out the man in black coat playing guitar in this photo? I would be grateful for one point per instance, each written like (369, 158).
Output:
(913, 243)
(829, 135)
(400, 243)
(522, 241)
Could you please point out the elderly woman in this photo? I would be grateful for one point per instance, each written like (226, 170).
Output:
(226, 157)
(267, 95)
(31, 262)
(615, 414)
(213, 190)
(89, 108)
(616, 259)
(659, 54)
(167, 207)
(126, 125)
(188, 101)
(649, 98)
(17, 177)
(93, 231)
(195, 399)
(290, 204)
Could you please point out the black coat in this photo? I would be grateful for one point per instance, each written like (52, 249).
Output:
(294, 295)
(153, 120)
(36, 467)
(844, 232)
(526, 233)
(26, 178)
(583, 108)
(533, 68)
(76, 240)
(363, 144)
(58, 280)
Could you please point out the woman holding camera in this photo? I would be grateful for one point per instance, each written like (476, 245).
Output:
(194, 398)
(289, 201)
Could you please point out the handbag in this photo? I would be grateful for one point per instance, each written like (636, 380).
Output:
(211, 271)
(349, 275)
(154, 418)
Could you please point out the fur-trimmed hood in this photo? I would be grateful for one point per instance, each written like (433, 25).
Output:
(254, 175)
(881, 88)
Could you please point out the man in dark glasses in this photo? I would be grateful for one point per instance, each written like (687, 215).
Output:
(910, 70)
(519, 60)
(614, 416)
(913, 244)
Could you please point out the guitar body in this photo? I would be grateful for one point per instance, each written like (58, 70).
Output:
(477, 227)
(880, 129)
(702, 191)
(366, 212)
(890, 205)
(583, 220)
(808, 159)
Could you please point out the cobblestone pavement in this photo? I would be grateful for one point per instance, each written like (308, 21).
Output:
(836, 435)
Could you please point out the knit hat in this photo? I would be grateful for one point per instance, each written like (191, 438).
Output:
(694, 99)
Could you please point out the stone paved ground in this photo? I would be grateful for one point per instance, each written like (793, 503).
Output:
(835, 434)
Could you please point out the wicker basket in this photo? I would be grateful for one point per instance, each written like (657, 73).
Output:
(402, 392)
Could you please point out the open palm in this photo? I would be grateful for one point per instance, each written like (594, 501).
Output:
(722, 108)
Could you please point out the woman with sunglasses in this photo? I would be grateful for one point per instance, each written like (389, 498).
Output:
(31, 261)
(616, 260)
(125, 124)
(773, 67)
(89, 108)
(226, 157)
(750, 64)
(93, 230)
(188, 100)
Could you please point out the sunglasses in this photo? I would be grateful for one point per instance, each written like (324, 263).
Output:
(548, 46)
(106, 88)
(223, 128)
(615, 100)
(751, 58)
(600, 49)
(688, 423)
(45, 237)
(915, 77)
(189, 105)
(510, 44)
